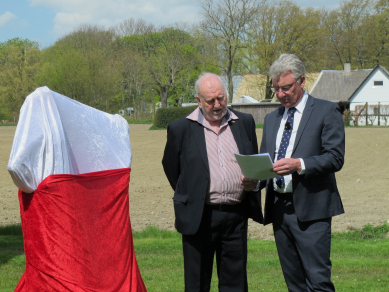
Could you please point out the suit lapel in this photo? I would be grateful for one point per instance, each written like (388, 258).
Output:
(273, 132)
(237, 128)
(304, 120)
(198, 133)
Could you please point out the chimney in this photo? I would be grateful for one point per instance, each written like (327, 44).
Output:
(347, 67)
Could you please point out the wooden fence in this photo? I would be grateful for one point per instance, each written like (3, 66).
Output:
(257, 110)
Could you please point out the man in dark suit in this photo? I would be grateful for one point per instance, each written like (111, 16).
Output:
(305, 137)
(212, 200)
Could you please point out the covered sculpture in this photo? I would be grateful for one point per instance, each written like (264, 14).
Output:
(58, 135)
(72, 165)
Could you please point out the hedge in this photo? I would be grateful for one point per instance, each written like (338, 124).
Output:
(164, 116)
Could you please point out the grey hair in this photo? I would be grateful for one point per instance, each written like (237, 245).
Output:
(200, 80)
(285, 63)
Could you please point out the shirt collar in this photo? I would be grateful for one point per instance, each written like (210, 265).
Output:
(301, 105)
(197, 116)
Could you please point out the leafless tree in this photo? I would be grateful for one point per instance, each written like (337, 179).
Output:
(226, 21)
(372, 113)
(385, 113)
(359, 111)
(133, 26)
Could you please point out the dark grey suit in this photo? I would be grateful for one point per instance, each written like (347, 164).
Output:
(185, 162)
(320, 142)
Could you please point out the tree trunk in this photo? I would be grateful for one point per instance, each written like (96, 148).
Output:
(164, 94)
(229, 77)
(269, 94)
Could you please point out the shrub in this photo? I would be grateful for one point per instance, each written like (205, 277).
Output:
(347, 118)
(164, 116)
(367, 232)
(2, 114)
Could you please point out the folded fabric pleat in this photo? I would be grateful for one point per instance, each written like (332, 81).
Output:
(77, 234)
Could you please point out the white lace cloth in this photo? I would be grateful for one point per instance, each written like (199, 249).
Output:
(58, 135)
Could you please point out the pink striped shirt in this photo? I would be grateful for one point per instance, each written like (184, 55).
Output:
(225, 173)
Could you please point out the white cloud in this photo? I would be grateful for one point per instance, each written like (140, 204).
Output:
(6, 17)
(118, 10)
(66, 22)
(71, 13)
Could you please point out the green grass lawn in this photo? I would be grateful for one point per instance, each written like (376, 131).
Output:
(360, 261)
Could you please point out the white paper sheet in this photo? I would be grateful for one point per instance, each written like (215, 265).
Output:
(58, 135)
(257, 166)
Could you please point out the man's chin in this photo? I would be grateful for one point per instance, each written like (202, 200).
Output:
(285, 104)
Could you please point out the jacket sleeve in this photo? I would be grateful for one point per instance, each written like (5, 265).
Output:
(171, 157)
(253, 135)
(263, 149)
(331, 158)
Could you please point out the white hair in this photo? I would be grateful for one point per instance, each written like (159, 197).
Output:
(287, 63)
(200, 80)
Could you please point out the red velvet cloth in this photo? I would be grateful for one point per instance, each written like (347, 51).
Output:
(77, 234)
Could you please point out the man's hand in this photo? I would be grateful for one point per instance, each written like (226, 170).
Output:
(248, 183)
(287, 166)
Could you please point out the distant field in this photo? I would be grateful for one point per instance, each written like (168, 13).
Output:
(363, 181)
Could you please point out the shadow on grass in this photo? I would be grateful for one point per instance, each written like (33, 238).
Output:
(11, 243)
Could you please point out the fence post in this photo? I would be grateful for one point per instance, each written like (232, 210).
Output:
(367, 108)
(379, 114)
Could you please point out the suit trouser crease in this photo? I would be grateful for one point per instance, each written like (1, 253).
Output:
(303, 248)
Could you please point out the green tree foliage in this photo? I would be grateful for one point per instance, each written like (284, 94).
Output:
(135, 81)
(170, 55)
(283, 27)
(378, 38)
(135, 64)
(81, 66)
(347, 31)
(19, 65)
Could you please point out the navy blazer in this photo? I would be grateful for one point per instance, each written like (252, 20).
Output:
(185, 162)
(320, 142)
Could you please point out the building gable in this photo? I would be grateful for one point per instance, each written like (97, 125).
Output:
(337, 85)
(373, 90)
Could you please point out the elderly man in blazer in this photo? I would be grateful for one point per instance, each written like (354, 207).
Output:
(305, 137)
(212, 200)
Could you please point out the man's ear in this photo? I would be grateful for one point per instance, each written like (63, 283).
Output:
(198, 101)
(302, 81)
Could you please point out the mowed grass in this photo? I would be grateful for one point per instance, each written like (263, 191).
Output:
(360, 260)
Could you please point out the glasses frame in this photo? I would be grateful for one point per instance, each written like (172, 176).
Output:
(285, 89)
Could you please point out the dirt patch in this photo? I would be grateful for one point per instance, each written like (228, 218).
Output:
(363, 181)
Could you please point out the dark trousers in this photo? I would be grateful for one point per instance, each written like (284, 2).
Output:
(303, 248)
(223, 233)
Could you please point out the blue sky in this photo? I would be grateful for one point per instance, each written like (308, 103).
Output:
(45, 21)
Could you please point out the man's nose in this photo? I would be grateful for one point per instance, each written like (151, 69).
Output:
(217, 104)
(280, 93)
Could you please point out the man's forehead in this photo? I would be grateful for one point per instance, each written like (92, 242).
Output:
(211, 83)
(285, 76)
(212, 87)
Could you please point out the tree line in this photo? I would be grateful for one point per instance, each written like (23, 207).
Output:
(137, 64)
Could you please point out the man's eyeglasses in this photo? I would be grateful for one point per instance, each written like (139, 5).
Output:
(284, 89)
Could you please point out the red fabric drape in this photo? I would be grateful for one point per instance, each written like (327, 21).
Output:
(77, 234)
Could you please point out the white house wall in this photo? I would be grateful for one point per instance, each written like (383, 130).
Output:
(372, 94)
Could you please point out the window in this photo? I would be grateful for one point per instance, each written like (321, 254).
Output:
(378, 83)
